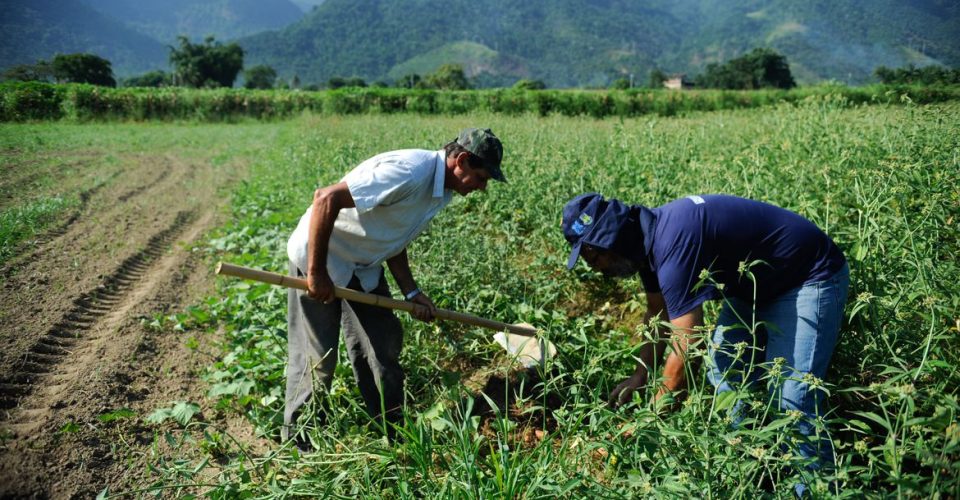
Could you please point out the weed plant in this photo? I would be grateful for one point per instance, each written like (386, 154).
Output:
(21, 222)
(881, 180)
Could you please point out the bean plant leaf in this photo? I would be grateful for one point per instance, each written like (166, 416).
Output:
(182, 412)
(859, 424)
(241, 388)
(725, 400)
(778, 423)
(876, 418)
(159, 416)
(434, 416)
(70, 428)
(120, 414)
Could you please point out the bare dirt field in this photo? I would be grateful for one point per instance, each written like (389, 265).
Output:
(75, 347)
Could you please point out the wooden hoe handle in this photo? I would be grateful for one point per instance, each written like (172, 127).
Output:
(371, 299)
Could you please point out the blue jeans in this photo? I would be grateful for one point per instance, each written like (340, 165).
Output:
(801, 327)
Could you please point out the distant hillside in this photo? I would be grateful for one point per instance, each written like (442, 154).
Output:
(307, 5)
(592, 42)
(566, 42)
(823, 39)
(164, 20)
(39, 29)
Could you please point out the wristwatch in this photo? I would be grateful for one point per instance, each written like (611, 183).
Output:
(412, 293)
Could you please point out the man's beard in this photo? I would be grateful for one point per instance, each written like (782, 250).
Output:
(621, 268)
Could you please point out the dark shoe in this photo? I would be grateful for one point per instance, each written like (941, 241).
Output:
(303, 444)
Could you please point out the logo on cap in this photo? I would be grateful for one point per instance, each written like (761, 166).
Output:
(580, 225)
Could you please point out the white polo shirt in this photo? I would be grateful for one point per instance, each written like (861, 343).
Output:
(396, 195)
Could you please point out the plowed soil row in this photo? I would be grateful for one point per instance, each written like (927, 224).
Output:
(74, 345)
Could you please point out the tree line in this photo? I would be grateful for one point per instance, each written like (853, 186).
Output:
(761, 68)
(65, 68)
(208, 64)
(211, 64)
(925, 75)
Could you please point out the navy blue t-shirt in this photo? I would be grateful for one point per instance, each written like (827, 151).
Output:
(717, 233)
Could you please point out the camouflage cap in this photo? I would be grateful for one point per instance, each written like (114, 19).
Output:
(484, 145)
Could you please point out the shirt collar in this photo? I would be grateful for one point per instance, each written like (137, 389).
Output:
(440, 175)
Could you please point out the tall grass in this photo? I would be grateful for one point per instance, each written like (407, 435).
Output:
(38, 101)
(24, 221)
(882, 180)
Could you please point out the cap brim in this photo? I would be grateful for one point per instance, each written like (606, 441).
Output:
(574, 255)
(495, 172)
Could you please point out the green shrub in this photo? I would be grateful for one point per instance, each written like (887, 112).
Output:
(33, 100)
(30, 101)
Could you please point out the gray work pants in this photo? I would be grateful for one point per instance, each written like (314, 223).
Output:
(373, 336)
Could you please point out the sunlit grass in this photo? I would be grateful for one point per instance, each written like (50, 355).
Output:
(881, 180)
(25, 221)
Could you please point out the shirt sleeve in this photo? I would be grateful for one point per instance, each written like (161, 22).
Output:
(682, 289)
(679, 272)
(650, 282)
(380, 181)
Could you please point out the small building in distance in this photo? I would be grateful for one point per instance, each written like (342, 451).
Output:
(678, 82)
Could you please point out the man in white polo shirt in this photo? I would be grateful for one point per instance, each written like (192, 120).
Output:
(352, 227)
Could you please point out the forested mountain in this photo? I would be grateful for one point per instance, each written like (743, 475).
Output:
(823, 39)
(562, 42)
(591, 42)
(39, 29)
(565, 42)
(164, 20)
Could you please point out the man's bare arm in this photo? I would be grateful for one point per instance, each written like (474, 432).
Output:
(656, 310)
(674, 370)
(650, 353)
(399, 266)
(327, 203)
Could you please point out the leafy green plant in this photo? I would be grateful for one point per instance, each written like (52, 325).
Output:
(70, 427)
(879, 178)
(120, 414)
(181, 412)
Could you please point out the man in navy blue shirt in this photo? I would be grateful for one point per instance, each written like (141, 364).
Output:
(782, 280)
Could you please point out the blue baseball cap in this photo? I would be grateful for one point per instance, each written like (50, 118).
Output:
(589, 219)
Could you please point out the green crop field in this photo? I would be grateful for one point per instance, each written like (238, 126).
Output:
(882, 180)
